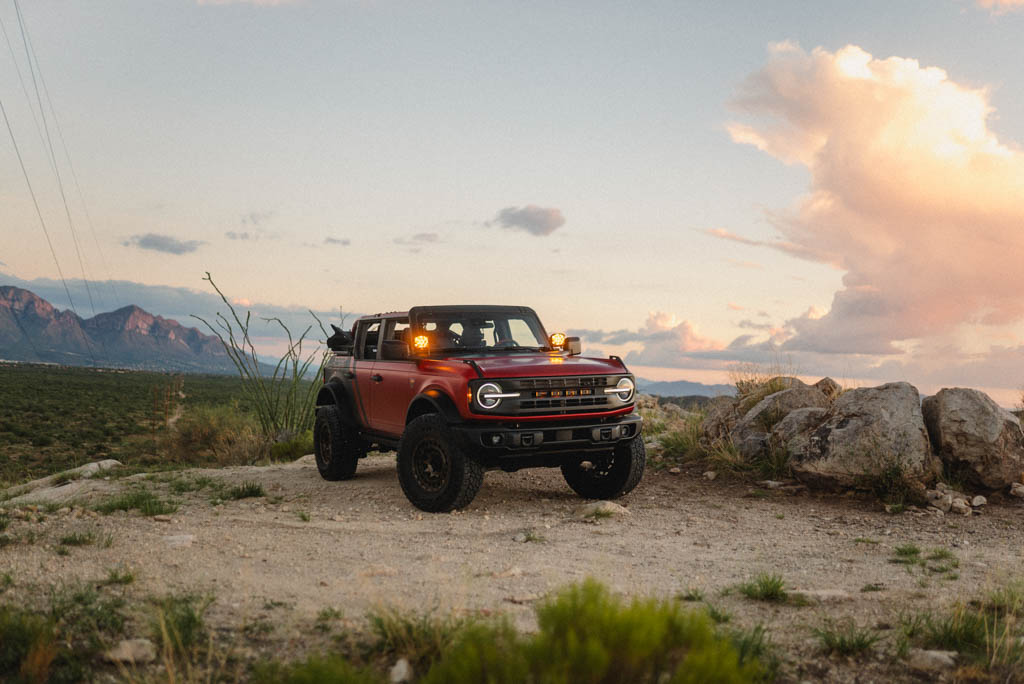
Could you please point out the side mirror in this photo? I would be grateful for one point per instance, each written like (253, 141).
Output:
(573, 346)
(394, 350)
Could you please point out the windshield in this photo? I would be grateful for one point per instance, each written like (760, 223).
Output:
(482, 331)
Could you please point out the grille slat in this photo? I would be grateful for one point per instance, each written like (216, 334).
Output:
(529, 404)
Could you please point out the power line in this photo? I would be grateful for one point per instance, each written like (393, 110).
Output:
(29, 51)
(35, 203)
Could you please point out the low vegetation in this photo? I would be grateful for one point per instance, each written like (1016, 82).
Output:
(845, 638)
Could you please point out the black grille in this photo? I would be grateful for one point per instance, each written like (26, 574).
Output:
(580, 394)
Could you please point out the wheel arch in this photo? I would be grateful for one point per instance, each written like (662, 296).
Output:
(432, 400)
(333, 394)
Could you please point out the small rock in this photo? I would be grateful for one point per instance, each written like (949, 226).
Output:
(180, 541)
(930, 661)
(710, 475)
(63, 511)
(1017, 489)
(601, 508)
(336, 518)
(523, 600)
(521, 538)
(674, 470)
(944, 503)
(514, 571)
(979, 501)
(960, 506)
(771, 484)
(401, 672)
(132, 651)
(163, 518)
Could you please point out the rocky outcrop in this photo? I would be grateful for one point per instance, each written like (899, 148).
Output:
(829, 387)
(979, 442)
(722, 415)
(751, 433)
(867, 431)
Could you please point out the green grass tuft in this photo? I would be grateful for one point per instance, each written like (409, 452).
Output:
(246, 490)
(846, 638)
(765, 587)
(141, 500)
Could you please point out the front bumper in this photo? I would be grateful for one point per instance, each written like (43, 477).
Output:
(515, 446)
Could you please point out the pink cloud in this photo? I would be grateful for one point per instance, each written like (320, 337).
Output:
(911, 194)
(735, 307)
(1002, 6)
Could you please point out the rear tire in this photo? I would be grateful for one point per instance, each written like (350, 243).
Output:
(335, 445)
(433, 469)
(610, 476)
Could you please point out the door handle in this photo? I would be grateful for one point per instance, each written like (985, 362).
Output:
(349, 375)
(377, 378)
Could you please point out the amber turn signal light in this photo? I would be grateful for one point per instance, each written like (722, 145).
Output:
(557, 340)
(420, 342)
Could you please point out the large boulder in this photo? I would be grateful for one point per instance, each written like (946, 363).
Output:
(978, 441)
(722, 415)
(866, 433)
(794, 431)
(829, 387)
(751, 433)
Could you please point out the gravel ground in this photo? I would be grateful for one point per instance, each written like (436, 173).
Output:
(364, 546)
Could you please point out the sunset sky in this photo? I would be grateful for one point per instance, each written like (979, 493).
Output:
(833, 187)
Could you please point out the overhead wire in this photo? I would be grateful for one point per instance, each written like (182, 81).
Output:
(32, 68)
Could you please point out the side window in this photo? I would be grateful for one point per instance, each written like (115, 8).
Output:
(397, 331)
(369, 345)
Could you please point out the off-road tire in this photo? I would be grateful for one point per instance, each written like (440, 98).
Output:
(433, 469)
(335, 445)
(610, 476)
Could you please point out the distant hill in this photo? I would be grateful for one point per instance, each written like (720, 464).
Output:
(683, 388)
(32, 329)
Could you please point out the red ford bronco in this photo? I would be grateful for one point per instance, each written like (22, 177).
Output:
(457, 390)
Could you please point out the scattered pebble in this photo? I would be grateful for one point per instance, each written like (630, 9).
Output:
(400, 672)
(592, 510)
(930, 661)
(132, 652)
(710, 475)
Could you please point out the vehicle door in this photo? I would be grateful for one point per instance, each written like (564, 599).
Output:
(394, 382)
(364, 358)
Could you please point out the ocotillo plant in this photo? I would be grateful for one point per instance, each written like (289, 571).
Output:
(284, 399)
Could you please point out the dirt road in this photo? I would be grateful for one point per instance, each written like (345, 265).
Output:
(365, 546)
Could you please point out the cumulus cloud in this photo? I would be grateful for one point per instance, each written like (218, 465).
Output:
(344, 242)
(163, 243)
(664, 340)
(539, 221)
(1002, 6)
(912, 195)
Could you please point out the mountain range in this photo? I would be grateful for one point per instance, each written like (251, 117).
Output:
(32, 329)
(683, 388)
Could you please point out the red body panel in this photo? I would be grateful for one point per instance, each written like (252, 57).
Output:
(542, 364)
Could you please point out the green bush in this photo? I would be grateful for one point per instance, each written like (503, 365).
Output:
(178, 621)
(587, 635)
(27, 647)
(294, 448)
(221, 433)
(314, 670)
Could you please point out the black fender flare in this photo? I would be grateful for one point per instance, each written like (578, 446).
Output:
(333, 393)
(433, 401)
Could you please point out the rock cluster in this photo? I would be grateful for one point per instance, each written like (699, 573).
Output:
(840, 439)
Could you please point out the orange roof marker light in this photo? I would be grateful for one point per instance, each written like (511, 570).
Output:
(557, 340)
(420, 342)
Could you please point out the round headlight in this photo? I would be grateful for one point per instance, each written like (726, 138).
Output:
(624, 388)
(486, 395)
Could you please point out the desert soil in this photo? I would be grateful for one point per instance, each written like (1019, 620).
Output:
(365, 547)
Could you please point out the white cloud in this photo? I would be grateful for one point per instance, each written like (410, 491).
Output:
(911, 194)
(1002, 6)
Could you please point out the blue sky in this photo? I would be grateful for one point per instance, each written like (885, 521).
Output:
(325, 153)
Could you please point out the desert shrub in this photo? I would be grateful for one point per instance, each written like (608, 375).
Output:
(754, 381)
(587, 635)
(684, 444)
(246, 490)
(283, 400)
(27, 646)
(294, 448)
(891, 482)
(846, 638)
(314, 670)
(419, 638)
(178, 622)
(221, 433)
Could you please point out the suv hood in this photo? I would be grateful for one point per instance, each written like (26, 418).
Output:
(542, 365)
